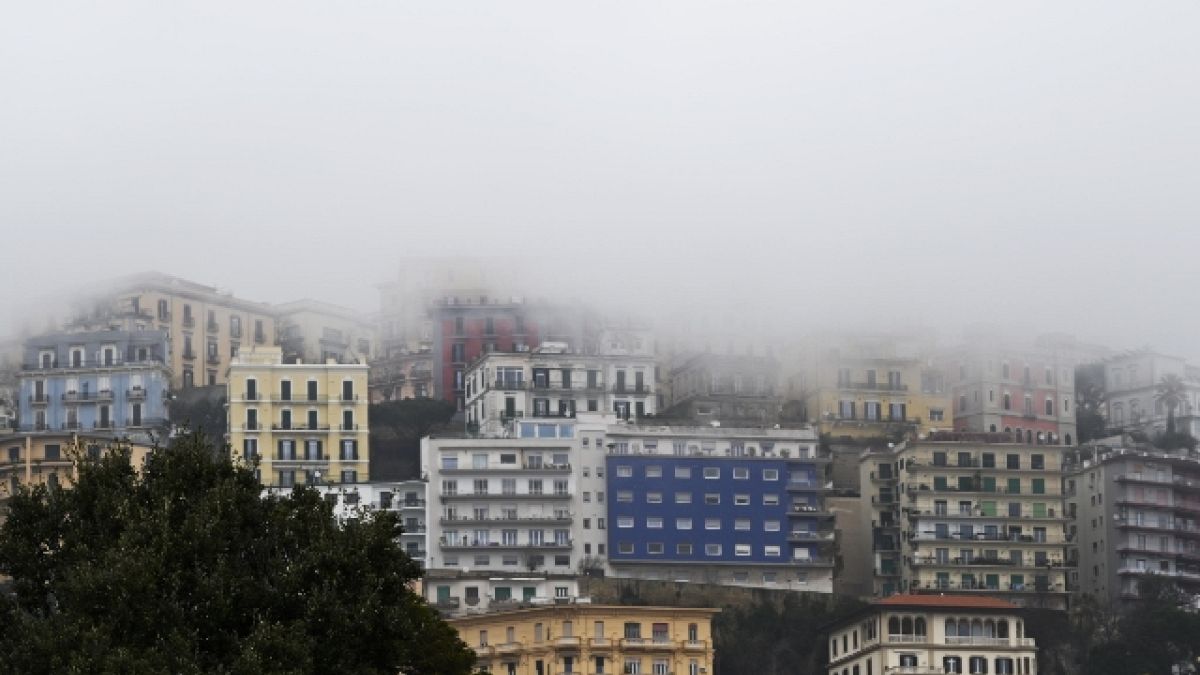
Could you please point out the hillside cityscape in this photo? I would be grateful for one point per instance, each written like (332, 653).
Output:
(544, 457)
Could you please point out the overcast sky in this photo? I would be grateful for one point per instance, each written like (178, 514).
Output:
(1035, 164)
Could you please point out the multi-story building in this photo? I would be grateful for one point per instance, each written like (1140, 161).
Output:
(933, 634)
(733, 389)
(554, 381)
(593, 639)
(311, 331)
(1135, 513)
(1025, 391)
(206, 327)
(863, 387)
(1132, 398)
(718, 505)
(401, 375)
(49, 458)
(455, 592)
(302, 422)
(970, 515)
(511, 504)
(107, 381)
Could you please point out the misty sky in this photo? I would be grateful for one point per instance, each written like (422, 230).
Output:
(1032, 164)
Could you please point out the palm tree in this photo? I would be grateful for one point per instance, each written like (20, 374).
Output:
(1171, 392)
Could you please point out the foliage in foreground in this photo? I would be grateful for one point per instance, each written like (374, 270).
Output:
(185, 568)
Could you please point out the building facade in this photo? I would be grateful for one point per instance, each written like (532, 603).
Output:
(1135, 514)
(554, 381)
(106, 381)
(868, 387)
(311, 331)
(205, 327)
(933, 635)
(733, 389)
(970, 514)
(1026, 391)
(457, 593)
(1132, 398)
(592, 639)
(719, 505)
(302, 423)
(49, 458)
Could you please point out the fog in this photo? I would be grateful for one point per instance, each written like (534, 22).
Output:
(804, 165)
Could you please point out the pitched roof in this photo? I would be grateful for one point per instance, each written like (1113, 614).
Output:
(950, 601)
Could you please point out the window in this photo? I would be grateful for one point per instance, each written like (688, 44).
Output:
(683, 523)
(624, 522)
(771, 551)
(741, 524)
(770, 500)
(683, 549)
(624, 471)
(654, 522)
(653, 497)
(741, 500)
(712, 472)
(712, 549)
(683, 472)
(654, 548)
(683, 498)
(625, 496)
(741, 473)
(712, 498)
(770, 525)
(770, 474)
(712, 523)
(654, 471)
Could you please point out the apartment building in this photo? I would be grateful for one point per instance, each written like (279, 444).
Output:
(718, 505)
(513, 503)
(48, 458)
(969, 514)
(1027, 391)
(593, 639)
(553, 380)
(1135, 514)
(111, 381)
(205, 326)
(311, 331)
(404, 498)
(1132, 398)
(933, 634)
(857, 387)
(733, 389)
(457, 593)
(401, 375)
(302, 422)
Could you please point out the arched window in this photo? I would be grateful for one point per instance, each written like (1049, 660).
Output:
(906, 626)
(951, 628)
(894, 626)
(1002, 628)
(977, 628)
(964, 627)
(989, 628)
(919, 626)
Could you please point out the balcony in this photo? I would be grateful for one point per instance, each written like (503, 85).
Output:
(505, 495)
(805, 486)
(981, 641)
(39, 399)
(347, 427)
(800, 536)
(78, 396)
(508, 648)
(694, 645)
(600, 643)
(495, 545)
(567, 642)
(502, 520)
(803, 510)
(483, 651)
(213, 359)
(913, 670)
(70, 426)
(635, 390)
(189, 321)
(412, 504)
(655, 644)
(812, 562)
(251, 396)
(136, 394)
(189, 355)
(102, 424)
(873, 386)
(104, 395)
(302, 462)
(212, 327)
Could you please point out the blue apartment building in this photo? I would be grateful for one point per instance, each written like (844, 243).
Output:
(752, 520)
(102, 381)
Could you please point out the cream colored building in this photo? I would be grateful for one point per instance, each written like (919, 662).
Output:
(592, 639)
(312, 331)
(206, 327)
(961, 513)
(306, 423)
(49, 459)
(933, 635)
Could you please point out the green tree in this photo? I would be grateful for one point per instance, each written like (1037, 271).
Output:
(184, 567)
(1089, 402)
(397, 428)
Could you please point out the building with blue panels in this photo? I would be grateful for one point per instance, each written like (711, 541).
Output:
(715, 505)
(102, 381)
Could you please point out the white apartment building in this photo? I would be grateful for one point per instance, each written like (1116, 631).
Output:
(405, 498)
(517, 504)
(457, 593)
(1131, 384)
(553, 381)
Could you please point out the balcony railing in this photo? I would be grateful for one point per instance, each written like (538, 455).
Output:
(39, 399)
(135, 393)
(212, 327)
(647, 643)
(102, 424)
(189, 321)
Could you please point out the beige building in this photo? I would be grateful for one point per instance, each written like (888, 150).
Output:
(206, 327)
(964, 513)
(304, 422)
(49, 459)
(933, 635)
(311, 331)
(592, 639)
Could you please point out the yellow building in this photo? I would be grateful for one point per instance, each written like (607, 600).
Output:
(304, 422)
(49, 459)
(591, 640)
(206, 326)
(931, 635)
(858, 387)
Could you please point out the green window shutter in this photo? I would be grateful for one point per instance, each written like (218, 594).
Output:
(965, 484)
(939, 482)
(988, 508)
(1039, 510)
(993, 581)
(1014, 486)
(1039, 486)
(989, 483)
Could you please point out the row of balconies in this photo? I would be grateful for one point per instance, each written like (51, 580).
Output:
(913, 490)
(145, 422)
(271, 397)
(85, 396)
(467, 543)
(464, 520)
(258, 426)
(506, 495)
(982, 586)
(933, 561)
(115, 362)
(1027, 514)
(546, 467)
(574, 643)
(1007, 538)
(961, 640)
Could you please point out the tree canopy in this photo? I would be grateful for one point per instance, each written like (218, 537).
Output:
(184, 567)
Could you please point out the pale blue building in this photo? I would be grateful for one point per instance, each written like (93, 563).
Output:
(104, 381)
